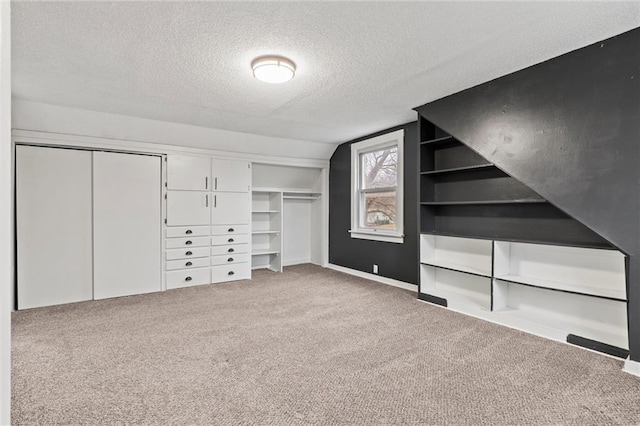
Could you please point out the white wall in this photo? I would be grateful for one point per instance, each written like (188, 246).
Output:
(35, 116)
(6, 209)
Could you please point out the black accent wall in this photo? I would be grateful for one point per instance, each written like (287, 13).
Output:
(568, 128)
(397, 261)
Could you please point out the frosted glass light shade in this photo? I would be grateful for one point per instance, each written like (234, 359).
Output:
(273, 69)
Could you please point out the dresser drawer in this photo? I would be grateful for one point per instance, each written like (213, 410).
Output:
(188, 277)
(218, 240)
(235, 271)
(187, 242)
(229, 229)
(198, 262)
(229, 248)
(229, 259)
(187, 231)
(187, 253)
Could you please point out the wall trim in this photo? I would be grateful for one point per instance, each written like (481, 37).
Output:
(69, 140)
(631, 367)
(384, 280)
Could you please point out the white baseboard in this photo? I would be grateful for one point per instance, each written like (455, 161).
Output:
(631, 367)
(373, 277)
(291, 262)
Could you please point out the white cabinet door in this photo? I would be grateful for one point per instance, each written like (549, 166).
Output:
(127, 230)
(232, 176)
(53, 217)
(188, 208)
(230, 208)
(188, 173)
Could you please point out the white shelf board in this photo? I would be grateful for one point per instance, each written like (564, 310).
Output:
(300, 197)
(575, 288)
(263, 252)
(456, 267)
(264, 232)
(265, 211)
(287, 190)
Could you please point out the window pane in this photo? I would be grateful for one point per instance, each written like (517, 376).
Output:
(379, 168)
(379, 210)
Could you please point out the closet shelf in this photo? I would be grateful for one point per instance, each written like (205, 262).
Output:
(483, 202)
(456, 267)
(460, 169)
(265, 211)
(601, 292)
(300, 197)
(265, 232)
(442, 140)
(264, 252)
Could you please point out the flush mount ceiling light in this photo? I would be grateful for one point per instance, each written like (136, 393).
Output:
(273, 69)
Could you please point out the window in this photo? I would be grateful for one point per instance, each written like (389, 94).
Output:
(376, 188)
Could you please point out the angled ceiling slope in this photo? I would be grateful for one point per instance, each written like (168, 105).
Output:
(361, 66)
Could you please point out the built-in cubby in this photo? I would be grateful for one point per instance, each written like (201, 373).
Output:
(266, 230)
(573, 294)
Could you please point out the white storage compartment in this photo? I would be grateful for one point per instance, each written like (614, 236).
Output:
(188, 173)
(229, 259)
(187, 253)
(233, 272)
(188, 208)
(463, 291)
(187, 231)
(188, 278)
(198, 262)
(555, 314)
(229, 249)
(187, 242)
(266, 230)
(230, 208)
(580, 270)
(229, 229)
(461, 254)
(230, 176)
(218, 240)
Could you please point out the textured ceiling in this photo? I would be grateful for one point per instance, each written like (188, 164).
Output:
(362, 66)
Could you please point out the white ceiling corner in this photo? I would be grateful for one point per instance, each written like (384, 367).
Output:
(362, 66)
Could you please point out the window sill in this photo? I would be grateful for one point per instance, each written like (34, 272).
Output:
(386, 237)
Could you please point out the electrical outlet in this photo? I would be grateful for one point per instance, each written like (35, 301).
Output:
(375, 268)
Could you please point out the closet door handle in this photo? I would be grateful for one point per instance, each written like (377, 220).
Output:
(216, 184)
(188, 279)
(188, 264)
(206, 182)
(231, 230)
(188, 253)
(206, 197)
(188, 242)
(230, 250)
(189, 231)
(215, 201)
(230, 259)
(231, 273)
(230, 240)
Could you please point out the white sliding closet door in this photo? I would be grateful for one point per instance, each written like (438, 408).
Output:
(53, 215)
(127, 224)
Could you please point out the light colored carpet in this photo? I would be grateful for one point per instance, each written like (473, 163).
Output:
(309, 346)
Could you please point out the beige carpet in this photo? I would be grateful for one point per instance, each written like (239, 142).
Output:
(310, 346)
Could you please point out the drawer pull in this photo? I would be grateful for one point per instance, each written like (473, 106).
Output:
(188, 279)
(230, 250)
(231, 230)
(230, 240)
(231, 273)
(188, 242)
(188, 264)
(189, 231)
(230, 259)
(188, 253)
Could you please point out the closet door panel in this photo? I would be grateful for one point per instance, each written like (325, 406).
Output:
(53, 215)
(230, 208)
(188, 208)
(188, 173)
(127, 224)
(230, 176)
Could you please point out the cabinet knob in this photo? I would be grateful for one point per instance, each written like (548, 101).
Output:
(231, 250)
(231, 273)
(188, 242)
(188, 279)
(188, 264)
(188, 253)
(189, 231)
(231, 230)
(230, 240)
(230, 259)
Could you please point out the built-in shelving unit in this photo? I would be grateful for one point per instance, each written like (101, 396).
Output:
(553, 291)
(462, 193)
(266, 230)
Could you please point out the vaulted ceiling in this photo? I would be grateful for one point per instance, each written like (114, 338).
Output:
(362, 66)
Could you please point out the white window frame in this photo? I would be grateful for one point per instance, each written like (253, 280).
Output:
(379, 142)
